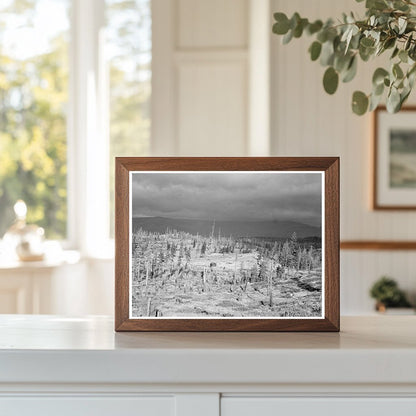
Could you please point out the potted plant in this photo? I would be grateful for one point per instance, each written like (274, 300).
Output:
(389, 27)
(387, 294)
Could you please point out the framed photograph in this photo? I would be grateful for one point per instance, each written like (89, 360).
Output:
(227, 244)
(394, 163)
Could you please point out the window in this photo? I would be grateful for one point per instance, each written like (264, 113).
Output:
(75, 87)
(33, 97)
(129, 46)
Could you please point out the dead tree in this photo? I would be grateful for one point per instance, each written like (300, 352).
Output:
(270, 284)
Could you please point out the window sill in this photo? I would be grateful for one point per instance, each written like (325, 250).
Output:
(51, 261)
(57, 253)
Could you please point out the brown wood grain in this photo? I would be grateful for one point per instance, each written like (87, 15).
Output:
(121, 244)
(378, 245)
(375, 204)
(230, 325)
(330, 165)
(332, 226)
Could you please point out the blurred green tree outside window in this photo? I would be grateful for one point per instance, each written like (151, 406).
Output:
(33, 99)
(34, 91)
(129, 46)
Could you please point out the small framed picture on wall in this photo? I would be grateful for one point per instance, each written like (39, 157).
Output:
(394, 159)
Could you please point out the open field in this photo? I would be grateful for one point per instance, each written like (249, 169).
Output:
(176, 274)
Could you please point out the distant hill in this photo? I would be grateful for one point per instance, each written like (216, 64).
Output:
(236, 229)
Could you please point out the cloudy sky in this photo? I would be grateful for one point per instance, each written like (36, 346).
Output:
(228, 196)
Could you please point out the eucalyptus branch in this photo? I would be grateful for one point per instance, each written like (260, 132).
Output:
(389, 25)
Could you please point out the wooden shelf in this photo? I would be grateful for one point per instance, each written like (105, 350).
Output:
(378, 245)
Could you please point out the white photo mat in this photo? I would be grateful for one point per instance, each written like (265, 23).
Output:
(386, 195)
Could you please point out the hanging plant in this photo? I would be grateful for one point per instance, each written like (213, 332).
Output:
(389, 27)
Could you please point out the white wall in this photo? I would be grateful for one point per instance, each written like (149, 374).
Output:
(202, 84)
(308, 122)
(221, 77)
(211, 92)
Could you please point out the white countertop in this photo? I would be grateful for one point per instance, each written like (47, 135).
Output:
(53, 349)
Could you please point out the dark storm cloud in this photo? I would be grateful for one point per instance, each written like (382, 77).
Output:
(228, 196)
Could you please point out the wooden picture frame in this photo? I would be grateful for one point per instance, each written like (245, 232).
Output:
(284, 169)
(394, 178)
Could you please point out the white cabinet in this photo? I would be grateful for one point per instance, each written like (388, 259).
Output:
(80, 367)
(203, 405)
(88, 406)
(66, 285)
(26, 291)
(270, 406)
(34, 287)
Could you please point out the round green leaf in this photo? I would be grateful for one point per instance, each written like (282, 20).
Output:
(330, 80)
(300, 25)
(376, 4)
(314, 27)
(367, 42)
(403, 56)
(397, 71)
(366, 53)
(342, 61)
(411, 77)
(374, 102)
(282, 25)
(404, 96)
(359, 103)
(393, 101)
(412, 70)
(395, 52)
(322, 36)
(288, 37)
(400, 5)
(408, 42)
(351, 71)
(315, 50)
(389, 43)
(294, 20)
(379, 75)
(378, 90)
(297, 31)
(327, 54)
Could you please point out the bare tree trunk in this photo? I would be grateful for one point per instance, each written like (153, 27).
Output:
(270, 282)
(147, 273)
(204, 281)
(149, 305)
(235, 268)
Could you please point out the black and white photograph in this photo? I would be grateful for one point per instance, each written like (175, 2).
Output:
(403, 158)
(394, 160)
(227, 244)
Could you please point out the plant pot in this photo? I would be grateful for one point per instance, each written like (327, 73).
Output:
(382, 309)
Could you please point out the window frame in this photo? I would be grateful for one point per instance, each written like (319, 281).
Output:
(88, 138)
(87, 133)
